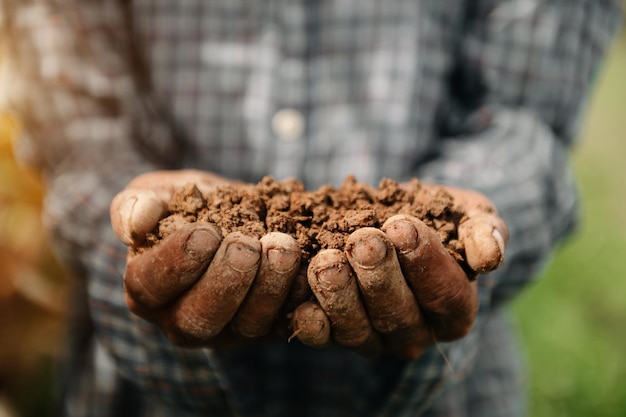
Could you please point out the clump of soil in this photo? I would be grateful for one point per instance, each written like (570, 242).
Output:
(318, 219)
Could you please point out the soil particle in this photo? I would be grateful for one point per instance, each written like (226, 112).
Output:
(318, 219)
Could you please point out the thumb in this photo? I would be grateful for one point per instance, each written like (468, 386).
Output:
(484, 237)
(134, 213)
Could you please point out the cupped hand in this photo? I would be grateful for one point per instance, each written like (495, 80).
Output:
(397, 289)
(199, 287)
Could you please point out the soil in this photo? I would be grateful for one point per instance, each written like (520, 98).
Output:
(316, 219)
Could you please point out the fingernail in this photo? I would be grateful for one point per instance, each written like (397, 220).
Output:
(126, 220)
(139, 214)
(404, 235)
(199, 241)
(241, 257)
(369, 253)
(282, 260)
(499, 240)
(334, 277)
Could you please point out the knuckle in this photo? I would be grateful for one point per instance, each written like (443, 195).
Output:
(133, 306)
(140, 294)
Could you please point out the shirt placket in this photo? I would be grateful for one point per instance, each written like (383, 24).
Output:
(288, 124)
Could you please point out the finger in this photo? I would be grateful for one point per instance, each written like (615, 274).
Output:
(333, 283)
(484, 237)
(482, 232)
(164, 319)
(135, 213)
(149, 314)
(390, 304)
(280, 260)
(204, 310)
(162, 273)
(443, 291)
(310, 325)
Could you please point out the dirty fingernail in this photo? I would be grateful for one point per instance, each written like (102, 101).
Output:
(497, 235)
(201, 241)
(125, 214)
(282, 260)
(368, 253)
(241, 257)
(404, 235)
(334, 277)
(139, 214)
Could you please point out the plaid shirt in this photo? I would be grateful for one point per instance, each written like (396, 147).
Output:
(485, 94)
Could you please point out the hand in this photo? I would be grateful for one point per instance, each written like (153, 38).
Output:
(200, 288)
(397, 288)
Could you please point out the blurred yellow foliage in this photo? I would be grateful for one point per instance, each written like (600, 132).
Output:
(32, 288)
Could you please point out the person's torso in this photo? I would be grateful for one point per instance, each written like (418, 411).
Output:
(311, 90)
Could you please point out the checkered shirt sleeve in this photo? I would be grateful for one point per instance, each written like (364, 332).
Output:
(538, 61)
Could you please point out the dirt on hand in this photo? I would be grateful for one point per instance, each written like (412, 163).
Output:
(318, 219)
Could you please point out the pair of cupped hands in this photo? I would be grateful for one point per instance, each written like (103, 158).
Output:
(393, 290)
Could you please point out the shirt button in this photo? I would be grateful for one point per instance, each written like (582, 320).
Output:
(288, 124)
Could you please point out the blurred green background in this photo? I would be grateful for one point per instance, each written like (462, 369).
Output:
(572, 321)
